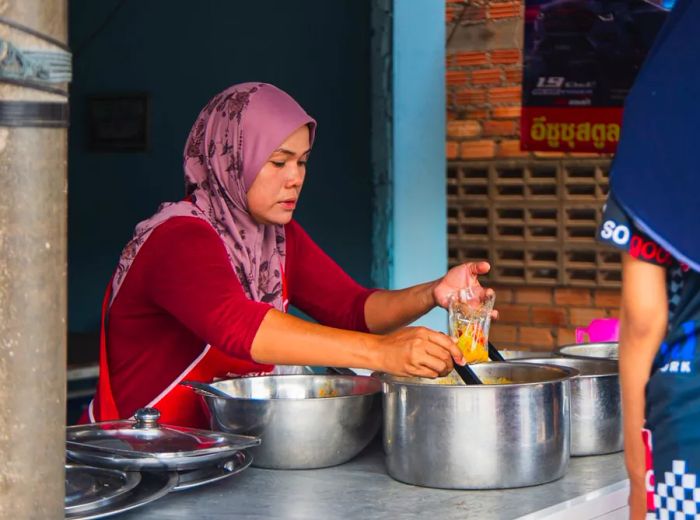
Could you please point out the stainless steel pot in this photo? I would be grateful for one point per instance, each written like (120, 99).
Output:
(590, 350)
(479, 436)
(596, 410)
(304, 421)
(522, 354)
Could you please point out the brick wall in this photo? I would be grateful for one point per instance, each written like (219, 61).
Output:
(540, 318)
(484, 69)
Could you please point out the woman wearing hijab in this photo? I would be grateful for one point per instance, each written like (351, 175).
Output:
(202, 289)
(652, 214)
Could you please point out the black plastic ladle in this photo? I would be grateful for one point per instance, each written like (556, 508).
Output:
(204, 387)
(468, 375)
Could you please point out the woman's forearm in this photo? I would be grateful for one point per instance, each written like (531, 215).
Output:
(412, 351)
(287, 340)
(388, 310)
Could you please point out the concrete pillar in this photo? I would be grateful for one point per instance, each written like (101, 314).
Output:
(33, 152)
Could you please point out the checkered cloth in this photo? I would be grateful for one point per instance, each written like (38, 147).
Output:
(678, 496)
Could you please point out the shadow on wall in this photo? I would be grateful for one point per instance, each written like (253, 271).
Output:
(180, 54)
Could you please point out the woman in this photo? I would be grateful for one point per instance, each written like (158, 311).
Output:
(201, 291)
(652, 214)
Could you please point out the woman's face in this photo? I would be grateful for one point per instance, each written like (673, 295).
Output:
(273, 196)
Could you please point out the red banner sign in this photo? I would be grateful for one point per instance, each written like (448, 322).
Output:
(570, 129)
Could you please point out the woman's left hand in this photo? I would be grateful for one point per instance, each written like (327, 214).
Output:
(460, 277)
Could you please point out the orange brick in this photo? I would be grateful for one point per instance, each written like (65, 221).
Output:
(452, 150)
(477, 149)
(474, 14)
(470, 59)
(505, 95)
(582, 317)
(500, 333)
(486, 77)
(470, 97)
(499, 128)
(451, 115)
(588, 155)
(503, 295)
(450, 13)
(477, 113)
(565, 336)
(513, 75)
(505, 112)
(540, 338)
(505, 56)
(533, 295)
(463, 128)
(456, 77)
(607, 299)
(549, 315)
(511, 148)
(614, 313)
(580, 297)
(549, 155)
(504, 10)
(519, 314)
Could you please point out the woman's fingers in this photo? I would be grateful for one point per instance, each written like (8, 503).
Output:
(450, 345)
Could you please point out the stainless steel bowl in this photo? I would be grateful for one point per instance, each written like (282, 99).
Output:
(590, 350)
(479, 436)
(304, 421)
(596, 410)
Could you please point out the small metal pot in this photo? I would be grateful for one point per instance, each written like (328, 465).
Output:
(605, 350)
(596, 410)
(304, 421)
(479, 436)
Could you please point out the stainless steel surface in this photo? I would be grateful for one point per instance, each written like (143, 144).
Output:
(522, 354)
(200, 477)
(590, 350)
(153, 486)
(596, 410)
(33, 240)
(143, 444)
(479, 436)
(362, 490)
(89, 488)
(304, 421)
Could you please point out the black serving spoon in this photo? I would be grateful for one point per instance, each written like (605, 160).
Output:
(467, 375)
(494, 354)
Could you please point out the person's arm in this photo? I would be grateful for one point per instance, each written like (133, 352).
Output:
(387, 310)
(412, 351)
(643, 320)
(189, 275)
(319, 287)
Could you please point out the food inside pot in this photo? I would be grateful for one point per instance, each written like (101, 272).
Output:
(454, 379)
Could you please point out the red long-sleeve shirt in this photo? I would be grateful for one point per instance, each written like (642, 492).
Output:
(181, 293)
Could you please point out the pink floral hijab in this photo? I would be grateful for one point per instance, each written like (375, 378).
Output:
(232, 139)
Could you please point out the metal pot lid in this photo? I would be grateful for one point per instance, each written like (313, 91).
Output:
(89, 488)
(144, 440)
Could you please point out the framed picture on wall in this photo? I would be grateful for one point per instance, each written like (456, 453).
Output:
(118, 122)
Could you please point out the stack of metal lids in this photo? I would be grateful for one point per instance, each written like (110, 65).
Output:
(128, 463)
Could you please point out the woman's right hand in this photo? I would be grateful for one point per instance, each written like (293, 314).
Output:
(419, 352)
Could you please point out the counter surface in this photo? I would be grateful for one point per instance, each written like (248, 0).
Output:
(361, 489)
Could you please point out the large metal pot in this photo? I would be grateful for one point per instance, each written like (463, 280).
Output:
(304, 421)
(596, 411)
(479, 436)
(603, 350)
